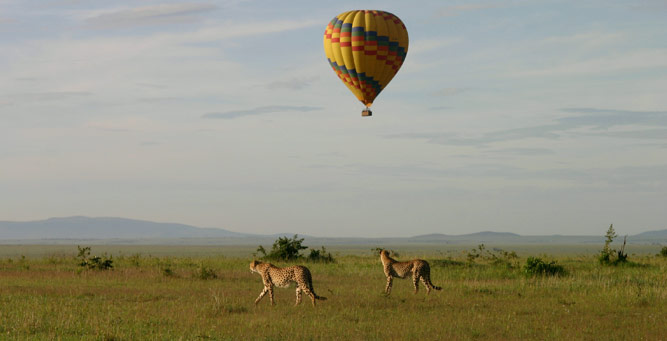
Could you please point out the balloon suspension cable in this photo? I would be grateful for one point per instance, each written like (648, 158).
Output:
(366, 112)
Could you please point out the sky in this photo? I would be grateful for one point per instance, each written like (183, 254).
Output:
(532, 117)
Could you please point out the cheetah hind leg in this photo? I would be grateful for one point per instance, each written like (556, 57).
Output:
(271, 295)
(428, 284)
(298, 296)
(415, 282)
(311, 294)
(308, 289)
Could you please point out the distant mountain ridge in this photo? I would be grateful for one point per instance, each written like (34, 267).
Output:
(476, 234)
(653, 234)
(123, 230)
(79, 227)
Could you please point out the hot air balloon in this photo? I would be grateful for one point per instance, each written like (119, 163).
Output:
(366, 48)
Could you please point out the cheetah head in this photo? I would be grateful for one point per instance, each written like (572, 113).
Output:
(253, 266)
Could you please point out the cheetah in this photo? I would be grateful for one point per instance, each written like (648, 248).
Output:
(418, 267)
(282, 277)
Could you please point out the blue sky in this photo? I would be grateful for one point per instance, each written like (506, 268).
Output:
(533, 117)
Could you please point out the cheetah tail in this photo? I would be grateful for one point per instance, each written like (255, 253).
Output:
(311, 291)
(436, 288)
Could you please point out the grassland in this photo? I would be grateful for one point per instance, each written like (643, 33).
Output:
(157, 295)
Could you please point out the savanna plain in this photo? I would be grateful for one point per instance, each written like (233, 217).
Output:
(190, 293)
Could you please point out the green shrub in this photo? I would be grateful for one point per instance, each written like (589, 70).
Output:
(321, 256)
(494, 257)
(168, 272)
(536, 266)
(663, 251)
(283, 249)
(95, 263)
(135, 260)
(204, 272)
(609, 256)
(288, 249)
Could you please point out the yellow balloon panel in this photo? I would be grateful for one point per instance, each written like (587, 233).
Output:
(366, 48)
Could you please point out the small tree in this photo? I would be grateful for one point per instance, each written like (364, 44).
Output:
(287, 249)
(535, 266)
(96, 263)
(321, 256)
(204, 272)
(609, 256)
(284, 248)
(663, 251)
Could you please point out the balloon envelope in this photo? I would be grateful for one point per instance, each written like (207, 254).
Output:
(366, 48)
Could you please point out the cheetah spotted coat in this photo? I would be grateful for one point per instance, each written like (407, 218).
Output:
(282, 277)
(419, 269)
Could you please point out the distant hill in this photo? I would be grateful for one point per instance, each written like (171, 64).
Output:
(477, 236)
(105, 228)
(652, 234)
(432, 236)
(109, 230)
(491, 234)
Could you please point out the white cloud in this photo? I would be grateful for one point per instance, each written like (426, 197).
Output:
(293, 83)
(115, 68)
(585, 39)
(423, 46)
(123, 124)
(448, 92)
(635, 60)
(236, 29)
(260, 111)
(47, 96)
(149, 15)
(460, 9)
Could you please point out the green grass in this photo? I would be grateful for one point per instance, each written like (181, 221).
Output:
(49, 297)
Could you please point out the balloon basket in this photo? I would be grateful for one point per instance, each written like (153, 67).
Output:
(366, 112)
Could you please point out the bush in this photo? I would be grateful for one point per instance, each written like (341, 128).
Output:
(663, 251)
(204, 272)
(288, 249)
(321, 256)
(609, 256)
(495, 257)
(283, 249)
(135, 260)
(536, 266)
(95, 263)
(165, 267)
(168, 272)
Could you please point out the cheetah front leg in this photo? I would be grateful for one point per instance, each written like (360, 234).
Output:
(261, 295)
(387, 289)
(298, 296)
